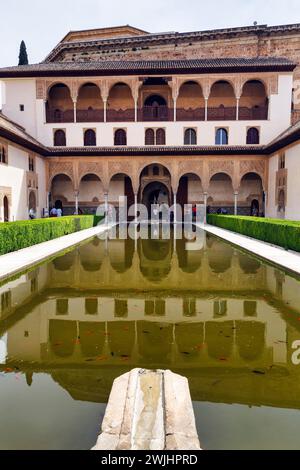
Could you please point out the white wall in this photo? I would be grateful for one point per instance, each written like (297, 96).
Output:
(292, 210)
(13, 175)
(17, 92)
(292, 164)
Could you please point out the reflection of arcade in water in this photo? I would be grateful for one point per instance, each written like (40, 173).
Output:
(214, 313)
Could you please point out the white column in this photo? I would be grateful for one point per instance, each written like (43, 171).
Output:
(175, 110)
(235, 202)
(76, 202)
(135, 206)
(206, 109)
(106, 207)
(205, 206)
(104, 109)
(135, 110)
(75, 113)
(237, 108)
(175, 208)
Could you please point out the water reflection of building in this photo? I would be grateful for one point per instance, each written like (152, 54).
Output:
(105, 305)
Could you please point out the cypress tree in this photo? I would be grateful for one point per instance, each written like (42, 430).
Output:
(23, 57)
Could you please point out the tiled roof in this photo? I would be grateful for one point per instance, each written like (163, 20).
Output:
(287, 137)
(156, 150)
(264, 64)
(14, 131)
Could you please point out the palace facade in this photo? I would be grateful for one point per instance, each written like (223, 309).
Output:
(204, 117)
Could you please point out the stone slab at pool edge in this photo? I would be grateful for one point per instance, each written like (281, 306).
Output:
(284, 258)
(18, 261)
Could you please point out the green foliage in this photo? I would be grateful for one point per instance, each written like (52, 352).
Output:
(284, 233)
(23, 57)
(17, 235)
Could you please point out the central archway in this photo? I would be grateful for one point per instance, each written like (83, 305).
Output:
(156, 193)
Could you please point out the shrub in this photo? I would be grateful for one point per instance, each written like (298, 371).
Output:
(284, 233)
(21, 234)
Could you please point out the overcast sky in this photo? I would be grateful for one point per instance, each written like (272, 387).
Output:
(42, 24)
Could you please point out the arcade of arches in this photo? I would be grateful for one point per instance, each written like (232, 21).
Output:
(236, 186)
(158, 99)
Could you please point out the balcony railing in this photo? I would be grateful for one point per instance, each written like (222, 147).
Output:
(255, 113)
(120, 115)
(90, 115)
(55, 115)
(221, 114)
(156, 113)
(190, 114)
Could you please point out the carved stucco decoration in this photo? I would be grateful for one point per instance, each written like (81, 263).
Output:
(61, 168)
(41, 90)
(253, 166)
(221, 166)
(182, 168)
(95, 168)
(116, 167)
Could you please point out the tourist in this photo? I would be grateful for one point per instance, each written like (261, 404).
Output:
(53, 212)
(59, 212)
(31, 214)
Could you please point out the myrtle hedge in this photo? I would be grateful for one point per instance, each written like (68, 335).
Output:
(21, 234)
(284, 233)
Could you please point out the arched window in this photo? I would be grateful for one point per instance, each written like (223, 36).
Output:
(160, 137)
(60, 138)
(2, 154)
(120, 137)
(281, 161)
(31, 164)
(190, 137)
(90, 138)
(221, 137)
(252, 136)
(149, 137)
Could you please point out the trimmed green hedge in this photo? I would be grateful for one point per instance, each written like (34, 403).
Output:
(21, 234)
(284, 233)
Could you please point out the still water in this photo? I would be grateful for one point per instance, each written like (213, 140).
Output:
(224, 319)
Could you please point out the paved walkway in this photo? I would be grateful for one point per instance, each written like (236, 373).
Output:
(17, 261)
(287, 259)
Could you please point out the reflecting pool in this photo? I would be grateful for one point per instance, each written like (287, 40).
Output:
(224, 319)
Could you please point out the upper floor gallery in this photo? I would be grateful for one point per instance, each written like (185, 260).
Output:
(203, 95)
